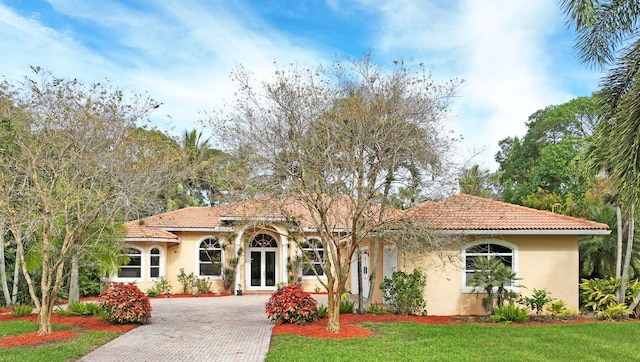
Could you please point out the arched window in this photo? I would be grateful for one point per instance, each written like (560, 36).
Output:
(210, 257)
(263, 241)
(504, 252)
(154, 263)
(313, 256)
(133, 269)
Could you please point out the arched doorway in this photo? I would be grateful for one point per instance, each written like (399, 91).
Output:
(262, 269)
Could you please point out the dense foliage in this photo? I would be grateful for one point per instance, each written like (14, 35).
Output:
(404, 292)
(125, 303)
(290, 304)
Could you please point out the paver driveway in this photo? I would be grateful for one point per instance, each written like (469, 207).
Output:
(195, 329)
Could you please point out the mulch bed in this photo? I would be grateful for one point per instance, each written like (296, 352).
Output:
(348, 323)
(79, 324)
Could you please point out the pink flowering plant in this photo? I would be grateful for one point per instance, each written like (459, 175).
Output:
(126, 304)
(290, 304)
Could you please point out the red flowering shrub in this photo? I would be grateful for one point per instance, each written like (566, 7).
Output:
(290, 304)
(125, 303)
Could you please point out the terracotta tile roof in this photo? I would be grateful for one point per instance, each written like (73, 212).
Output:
(466, 212)
(136, 231)
(459, 212)
(189, 217)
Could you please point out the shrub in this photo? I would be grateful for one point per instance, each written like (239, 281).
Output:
(186, 280)
(599, 294)
(375, 308)
(404, 293)
(203, 285)
(558, 309)
(89, 282)
(346, 306)
(537, 300)
(21, 310)
(615, 311)
(323, 309)
(83, 309)
(509, 313)
(290, 304)
(125, 303)
(160, 286)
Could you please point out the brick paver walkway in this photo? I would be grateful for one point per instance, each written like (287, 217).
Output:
(195, 329)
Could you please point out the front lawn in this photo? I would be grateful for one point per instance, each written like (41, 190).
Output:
(613, 341)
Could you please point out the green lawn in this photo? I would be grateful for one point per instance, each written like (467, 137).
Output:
(603, 341)
(61, 351)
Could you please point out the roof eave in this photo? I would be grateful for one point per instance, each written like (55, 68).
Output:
(527, 231)
(213, 229)
(157, 240)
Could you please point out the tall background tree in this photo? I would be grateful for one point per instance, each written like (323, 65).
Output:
(335, 138)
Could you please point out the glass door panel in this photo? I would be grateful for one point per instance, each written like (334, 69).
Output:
(270, 265)
(256, 273)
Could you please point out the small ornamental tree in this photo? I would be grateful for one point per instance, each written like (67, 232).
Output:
(125, 304)
(290, 304)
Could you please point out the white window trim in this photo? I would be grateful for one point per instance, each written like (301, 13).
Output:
(161, 266)
(142, 267)
(301, 251)
(222, 259)
(463, 258)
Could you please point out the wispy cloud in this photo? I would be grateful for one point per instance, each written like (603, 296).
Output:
(514, 56)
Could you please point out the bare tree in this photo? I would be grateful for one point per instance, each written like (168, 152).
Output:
(333, 139)
(75, 170)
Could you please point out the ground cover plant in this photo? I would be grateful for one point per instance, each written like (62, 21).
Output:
(457, 341)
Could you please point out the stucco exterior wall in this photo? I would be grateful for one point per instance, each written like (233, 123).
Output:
(543, 262)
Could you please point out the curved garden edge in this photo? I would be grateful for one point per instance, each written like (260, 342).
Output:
(351, 329)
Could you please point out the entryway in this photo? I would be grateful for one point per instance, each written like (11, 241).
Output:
(262, 268)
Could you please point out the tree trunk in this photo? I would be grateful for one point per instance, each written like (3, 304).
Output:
(3, 270)
(627, 256)
(74, 282)
(376, 239)
(16, 277)
(333, 324)
(359, 269)
(619, 249)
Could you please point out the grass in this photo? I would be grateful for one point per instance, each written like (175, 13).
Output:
(54, 351)
(416, 342)
(63, 351)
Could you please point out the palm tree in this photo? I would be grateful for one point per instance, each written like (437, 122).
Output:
(608, 35)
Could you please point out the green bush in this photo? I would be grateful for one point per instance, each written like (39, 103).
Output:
(615, 311)
(83, 309)
(21, 310)
(203, 285)
(598, 294)
(537, 300)
(558, 309)
(323, 309)
(404, 293)
(375, 308)
(510, 313)
(186, 280)
(346, 306)
(89, 282)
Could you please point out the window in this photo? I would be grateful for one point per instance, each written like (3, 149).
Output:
(210, 257)
(134, 268)
(470, 255)
(263, 241)
(154, 263)
(314, 256)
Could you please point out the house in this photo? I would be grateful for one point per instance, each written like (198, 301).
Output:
(540, 247)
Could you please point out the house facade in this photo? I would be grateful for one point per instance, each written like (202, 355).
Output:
(539, 246)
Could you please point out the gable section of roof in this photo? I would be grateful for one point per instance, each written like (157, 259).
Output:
(466, 212)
